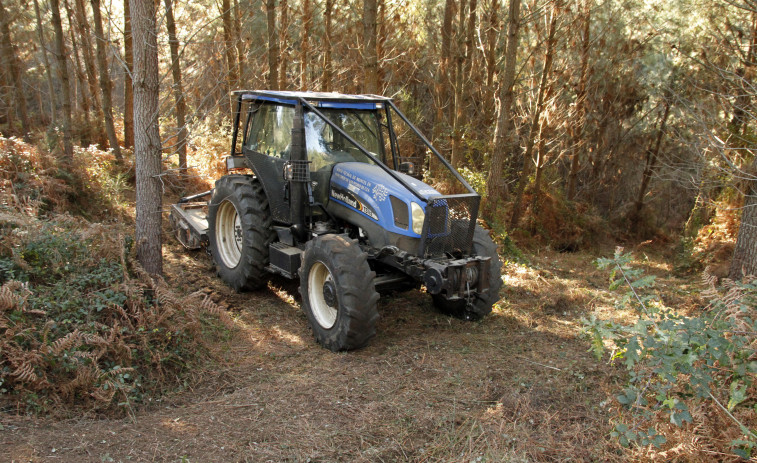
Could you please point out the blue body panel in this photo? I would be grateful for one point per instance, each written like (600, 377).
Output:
(366, 188)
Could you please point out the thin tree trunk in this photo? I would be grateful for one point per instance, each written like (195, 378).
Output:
(239, 44)
(147, 137)
(541, 160)
(128, 86)
(9, 56)
(45, 62)
(283, 45)
(105, 83)
(580, 129)
(60, 55)
(442, 78)
(456, 115)
(229, 46)
(178, 89)
(307, 21)
(370, 57)
(80, 84)
(744, 262)
(505, 137)
(273, 46)
(327, 64)
(89, 64)
(491, 61)
(528, 155)
(651, 163)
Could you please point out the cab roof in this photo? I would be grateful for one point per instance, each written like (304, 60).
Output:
(317, 99)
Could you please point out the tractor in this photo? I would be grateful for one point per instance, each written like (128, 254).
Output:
(324, 187)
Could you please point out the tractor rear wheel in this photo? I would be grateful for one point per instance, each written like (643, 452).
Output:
(482, 304)
(338, 293)
(239, 231)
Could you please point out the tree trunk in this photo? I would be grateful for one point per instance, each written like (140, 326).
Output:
(327, 63)
(580, 129)
(273, 46)
(89, 64)
(128, 86)
(505, 136)
(744, 262)
(147, 137)
(651, 163)
(14, 67)
(491, 61)
(80, 83)
(283, 45)
(456, 105)
(105, 83)
(60, 55)
(45, 62)
(528, 155)
(442, 78)
(178, 89)
(307, 22)
(370, 56)
(239, 44)
(229, 47)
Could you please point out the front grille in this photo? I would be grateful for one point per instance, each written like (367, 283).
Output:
(448, 228)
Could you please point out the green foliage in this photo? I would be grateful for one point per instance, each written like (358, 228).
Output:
(79, 326)
(677, 362)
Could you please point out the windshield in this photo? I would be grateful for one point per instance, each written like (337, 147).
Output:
(326, 146)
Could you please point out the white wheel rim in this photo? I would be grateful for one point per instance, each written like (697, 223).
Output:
(324, 314)
(229, 239)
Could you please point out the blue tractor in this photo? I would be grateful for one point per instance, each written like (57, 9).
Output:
(321, 187)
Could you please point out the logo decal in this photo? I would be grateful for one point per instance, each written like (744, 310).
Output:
(349, 199)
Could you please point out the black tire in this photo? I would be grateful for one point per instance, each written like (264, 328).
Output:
(239, 202)
(338, 294)
(482, 304)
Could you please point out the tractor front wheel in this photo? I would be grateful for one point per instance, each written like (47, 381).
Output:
(338, 294)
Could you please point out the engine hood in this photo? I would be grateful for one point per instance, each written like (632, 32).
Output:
(375, 194)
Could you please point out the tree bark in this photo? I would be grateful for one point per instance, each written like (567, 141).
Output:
(147, 137)
(370, 55)
(273, 46)
(649, 167)
(178, 88)
(327, 63)
(528, 155)
(9, 56)
(105, 83)
(491, 61)
(456, 105)
(45, 62)
(79, 83)
(89, 64)
(239, 44)
(580, 127)
(744, 262)
(442, 78)
(128, 86)
(283, 45)
(60, 56)
(307, 22)
(505, 137)
(229, 47)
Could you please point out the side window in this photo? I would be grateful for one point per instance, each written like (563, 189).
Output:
(271, 131)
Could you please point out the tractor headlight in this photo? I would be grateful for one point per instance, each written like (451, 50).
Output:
(418, 217)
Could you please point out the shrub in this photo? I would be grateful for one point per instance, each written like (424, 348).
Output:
(696, 369)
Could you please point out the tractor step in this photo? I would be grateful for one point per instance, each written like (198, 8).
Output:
(190, 223)
(284, 259)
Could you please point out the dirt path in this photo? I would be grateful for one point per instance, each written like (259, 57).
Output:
(519, 386)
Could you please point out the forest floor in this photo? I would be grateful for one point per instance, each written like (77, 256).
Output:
(518, 386)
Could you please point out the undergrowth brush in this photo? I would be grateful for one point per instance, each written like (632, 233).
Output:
(690, 391)
(82, 326)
